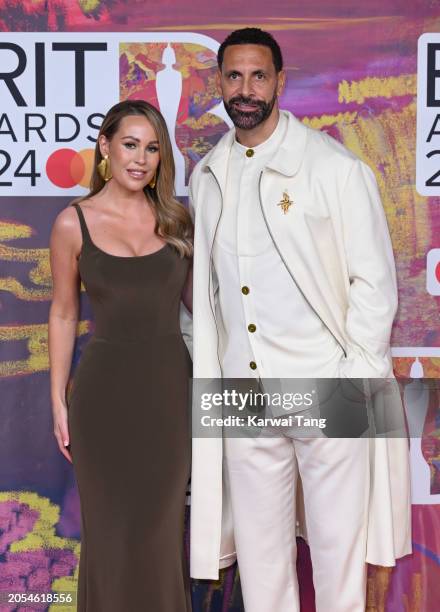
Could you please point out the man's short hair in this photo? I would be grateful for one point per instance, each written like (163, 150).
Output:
(252, 36)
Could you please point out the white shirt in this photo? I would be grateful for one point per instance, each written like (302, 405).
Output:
(245, 256)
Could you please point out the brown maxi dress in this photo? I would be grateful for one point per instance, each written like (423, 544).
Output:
(129, 433)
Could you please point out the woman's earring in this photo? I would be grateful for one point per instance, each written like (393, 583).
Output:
(152, 183)
(104, 168)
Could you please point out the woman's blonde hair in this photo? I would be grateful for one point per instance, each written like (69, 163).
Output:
(173, 221)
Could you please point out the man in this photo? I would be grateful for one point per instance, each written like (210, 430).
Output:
(294, 277)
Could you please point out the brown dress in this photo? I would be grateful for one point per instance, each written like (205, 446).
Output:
(129, 433)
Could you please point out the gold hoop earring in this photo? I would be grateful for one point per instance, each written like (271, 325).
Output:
(104, 169)
(152, 183)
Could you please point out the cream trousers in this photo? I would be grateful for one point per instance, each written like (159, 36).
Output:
(263, 474)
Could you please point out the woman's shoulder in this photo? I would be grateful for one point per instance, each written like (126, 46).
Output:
(87, 203)
(66, 232)
(67, 222)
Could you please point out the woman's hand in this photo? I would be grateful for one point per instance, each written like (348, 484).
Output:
(60, 428)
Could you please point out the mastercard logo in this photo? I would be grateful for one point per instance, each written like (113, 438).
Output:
(433, 272)
(67, 168)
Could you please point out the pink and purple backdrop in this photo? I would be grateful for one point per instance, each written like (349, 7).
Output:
(351, 71)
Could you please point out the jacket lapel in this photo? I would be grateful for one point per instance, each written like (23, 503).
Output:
(295, 244)
(291, 234)
(215, 168)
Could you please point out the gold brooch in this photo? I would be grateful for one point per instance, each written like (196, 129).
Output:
(285, 203)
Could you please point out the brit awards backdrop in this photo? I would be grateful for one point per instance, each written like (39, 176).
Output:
(367, 73)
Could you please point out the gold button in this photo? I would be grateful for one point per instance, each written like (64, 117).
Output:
(252, 328)
(245, 290)
(250, 153)
(253, 365)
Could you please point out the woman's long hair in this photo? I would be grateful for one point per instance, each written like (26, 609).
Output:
(173, 221)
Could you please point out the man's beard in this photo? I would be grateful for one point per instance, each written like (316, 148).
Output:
(248, 120)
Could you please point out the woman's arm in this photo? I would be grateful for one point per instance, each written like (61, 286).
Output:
(186, 325)
(187, 292)
(65, 245)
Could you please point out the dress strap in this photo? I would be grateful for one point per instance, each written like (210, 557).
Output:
(84, 229)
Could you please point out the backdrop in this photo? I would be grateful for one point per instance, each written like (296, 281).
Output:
(352, 71)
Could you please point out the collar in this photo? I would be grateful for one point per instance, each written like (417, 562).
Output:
(286, 161)
(270, 146)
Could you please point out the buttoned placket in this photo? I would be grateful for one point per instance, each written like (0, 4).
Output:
(245, 262)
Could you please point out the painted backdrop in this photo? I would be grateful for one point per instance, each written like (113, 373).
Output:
(352, 71)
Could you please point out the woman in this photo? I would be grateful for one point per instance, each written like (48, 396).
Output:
(125, 424)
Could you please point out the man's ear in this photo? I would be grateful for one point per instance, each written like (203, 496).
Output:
(218, 81)
(281, 82)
